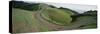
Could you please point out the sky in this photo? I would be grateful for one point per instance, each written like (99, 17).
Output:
(76, 7)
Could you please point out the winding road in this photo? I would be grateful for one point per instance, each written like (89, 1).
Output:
(75, 25)
(51, 26)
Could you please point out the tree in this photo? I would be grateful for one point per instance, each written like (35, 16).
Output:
(25, 6)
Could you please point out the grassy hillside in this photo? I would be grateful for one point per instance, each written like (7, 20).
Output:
(60, 16)
(24, 21)
(42, 17)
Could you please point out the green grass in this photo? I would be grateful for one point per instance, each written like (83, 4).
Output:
(24, 21)
(89, 20)
(92, 25)
(67, 11)
(60, 16)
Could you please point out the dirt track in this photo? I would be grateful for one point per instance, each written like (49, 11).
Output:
(79, 22)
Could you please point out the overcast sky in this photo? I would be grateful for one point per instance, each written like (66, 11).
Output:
(76, 7)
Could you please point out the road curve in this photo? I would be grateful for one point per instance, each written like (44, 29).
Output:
(79, 22)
